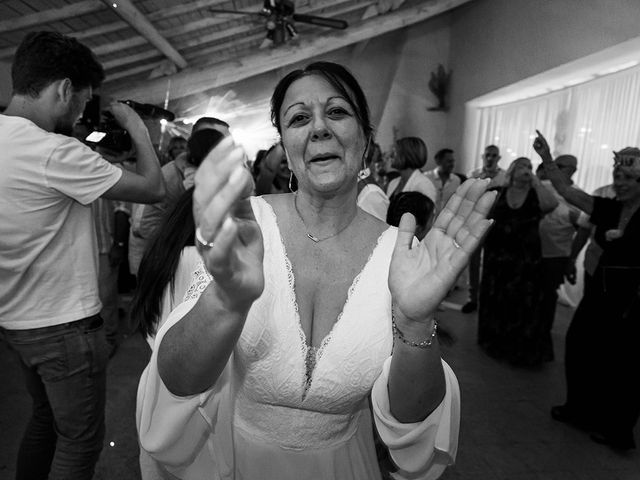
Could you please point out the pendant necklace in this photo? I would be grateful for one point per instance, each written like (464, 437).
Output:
(312, 237)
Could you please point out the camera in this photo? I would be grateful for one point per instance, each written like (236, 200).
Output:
(107, 132)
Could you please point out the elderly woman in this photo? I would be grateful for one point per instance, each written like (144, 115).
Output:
(602, 359)
(409, 155)
(509, 326)
(266, 370)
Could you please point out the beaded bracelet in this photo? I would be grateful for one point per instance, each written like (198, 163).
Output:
(423, 344)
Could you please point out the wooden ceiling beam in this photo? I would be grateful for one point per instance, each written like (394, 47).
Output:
(200, 40)
(51, 15)
(121, 25)
(134, 17)
(155, 16)
(260, 34)
(202, 79)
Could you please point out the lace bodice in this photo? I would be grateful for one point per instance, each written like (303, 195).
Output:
(285, 389)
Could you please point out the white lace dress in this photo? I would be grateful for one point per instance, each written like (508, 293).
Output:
(283, 411)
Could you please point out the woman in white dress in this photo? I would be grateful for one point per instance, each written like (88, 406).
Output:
(265, 371)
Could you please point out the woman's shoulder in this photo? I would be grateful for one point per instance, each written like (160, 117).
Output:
(375, 230)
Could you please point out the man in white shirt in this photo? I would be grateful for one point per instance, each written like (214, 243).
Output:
(491, 170)
(557, 230)
(49, 302)
(443, 178)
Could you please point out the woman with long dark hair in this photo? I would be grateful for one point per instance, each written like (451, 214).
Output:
(166, 267)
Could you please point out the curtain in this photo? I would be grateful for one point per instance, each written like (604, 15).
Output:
(588, 120)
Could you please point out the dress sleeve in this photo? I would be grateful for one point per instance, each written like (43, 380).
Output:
(190, 436)
(420, 450)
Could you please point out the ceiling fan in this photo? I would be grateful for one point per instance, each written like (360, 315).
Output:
(280, 17)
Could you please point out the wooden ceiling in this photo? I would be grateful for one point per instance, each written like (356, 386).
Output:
(150, 46)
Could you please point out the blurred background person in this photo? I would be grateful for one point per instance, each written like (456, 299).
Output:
(602, 394)
(175, 147)
(443, 178)
(557, 230)
(275, 175)
(508, 323)
(491, 170)
(408, 156)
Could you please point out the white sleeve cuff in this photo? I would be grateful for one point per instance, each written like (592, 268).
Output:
(177, 431)
(420, 450)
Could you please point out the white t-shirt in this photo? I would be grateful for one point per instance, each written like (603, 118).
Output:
(48, 250)
(558, 227)
(417, 183)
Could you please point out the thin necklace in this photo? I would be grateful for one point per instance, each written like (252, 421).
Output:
(310, 236)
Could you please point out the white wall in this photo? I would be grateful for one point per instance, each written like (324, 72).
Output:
(498, 42)
(425, 46)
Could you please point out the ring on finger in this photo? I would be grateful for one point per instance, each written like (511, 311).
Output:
(203, 243)
(456, 244)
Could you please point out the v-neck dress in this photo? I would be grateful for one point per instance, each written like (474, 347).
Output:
(282, 410)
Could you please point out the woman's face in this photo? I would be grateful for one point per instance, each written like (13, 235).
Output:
(626, 185)
(522, 171)
(321, 135)
(177, 148)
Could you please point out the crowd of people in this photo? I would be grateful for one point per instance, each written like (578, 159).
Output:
(278, 344)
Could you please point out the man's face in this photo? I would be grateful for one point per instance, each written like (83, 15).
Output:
(566, 168)
(490, 158)
(447, 163)
(73, 111)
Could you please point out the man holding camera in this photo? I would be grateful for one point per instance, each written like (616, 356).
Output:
(49, 304)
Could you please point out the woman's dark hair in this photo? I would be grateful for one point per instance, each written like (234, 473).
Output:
(411, 152)
(160, 262)
(416, 203)
(200, 143)
(339, 78)
(45, 57)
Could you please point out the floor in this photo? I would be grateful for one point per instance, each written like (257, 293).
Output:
(506, 431)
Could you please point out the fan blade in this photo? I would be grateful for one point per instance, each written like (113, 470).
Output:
(236, 12)
(321, 21)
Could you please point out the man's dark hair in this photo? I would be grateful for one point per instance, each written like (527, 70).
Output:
(201, 143)
(210, 120)
(415, 203)
(441, 153)
(45, 57)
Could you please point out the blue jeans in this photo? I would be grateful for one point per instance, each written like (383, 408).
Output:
(65, 374)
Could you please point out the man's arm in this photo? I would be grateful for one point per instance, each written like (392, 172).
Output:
(576, 197)
(146, 185)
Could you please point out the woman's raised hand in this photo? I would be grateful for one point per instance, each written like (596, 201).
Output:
(421, 276)
(233, 249)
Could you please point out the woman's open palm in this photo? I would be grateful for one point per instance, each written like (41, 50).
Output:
(420, 276)
(224, 217)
